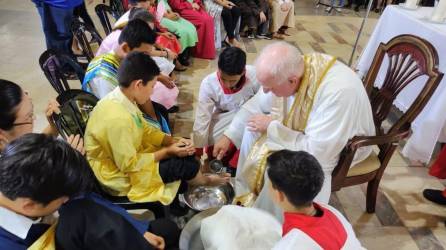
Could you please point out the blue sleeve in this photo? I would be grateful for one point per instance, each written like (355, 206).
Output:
(11, 242)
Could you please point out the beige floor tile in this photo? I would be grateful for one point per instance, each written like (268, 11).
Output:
(440, 232)
(353, 202)
(379, 238)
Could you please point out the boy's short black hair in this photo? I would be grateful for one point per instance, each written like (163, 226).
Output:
(297, 174)
(232, 61)
(135, 66)
(43, 169)
(142, 14)
(137, 32)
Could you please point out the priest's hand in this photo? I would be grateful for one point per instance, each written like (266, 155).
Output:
(221, 147)
(259, 123)
(156, 241)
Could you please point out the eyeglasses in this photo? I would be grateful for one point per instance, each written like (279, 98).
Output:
(31, 117)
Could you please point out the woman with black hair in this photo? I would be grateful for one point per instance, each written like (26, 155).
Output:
(17, 115)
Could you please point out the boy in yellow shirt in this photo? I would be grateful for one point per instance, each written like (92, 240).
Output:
(131, 158)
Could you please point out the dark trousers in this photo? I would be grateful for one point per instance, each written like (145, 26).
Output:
(168, 230)
(56, 24)
(174, 169)
(178, 168)
(248, 17)
(230, 18)
(252, 19)
(263, 28)
(85, 224)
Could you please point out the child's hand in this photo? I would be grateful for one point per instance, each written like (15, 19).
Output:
(180, 149)
(186, 142)
(168, 35)
(171, 55)
(172, 16)
(155, 240)
(166, 81)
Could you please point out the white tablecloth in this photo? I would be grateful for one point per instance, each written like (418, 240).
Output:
(429, 126)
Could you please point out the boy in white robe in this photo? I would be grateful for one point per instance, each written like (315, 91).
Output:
(222, 93)
(296, 177)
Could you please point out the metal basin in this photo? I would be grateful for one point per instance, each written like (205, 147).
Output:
(190, 236)
(202, 198)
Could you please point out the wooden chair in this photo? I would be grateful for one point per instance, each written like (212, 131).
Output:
(102, 11)
(409, 58)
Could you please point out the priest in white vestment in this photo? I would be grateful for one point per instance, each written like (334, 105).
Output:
(308, 102)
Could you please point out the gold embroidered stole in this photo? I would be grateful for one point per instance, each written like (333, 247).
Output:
(316, 66)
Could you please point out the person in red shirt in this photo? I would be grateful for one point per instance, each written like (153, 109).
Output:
(195, 12)
(296, 177)
(438, 169)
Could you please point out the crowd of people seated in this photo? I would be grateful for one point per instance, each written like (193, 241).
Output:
(280, 128)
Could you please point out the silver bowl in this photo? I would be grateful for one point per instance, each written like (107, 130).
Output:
(202, 198)
(190, 238)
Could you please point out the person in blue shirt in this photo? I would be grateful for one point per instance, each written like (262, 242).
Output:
(56, 17)
(40, 174)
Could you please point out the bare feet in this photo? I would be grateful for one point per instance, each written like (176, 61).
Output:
(209, 179)
(179, 66)
(217, 180)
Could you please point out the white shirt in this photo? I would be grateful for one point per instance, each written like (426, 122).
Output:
(16, 224)
(214, 105)
(340, 111)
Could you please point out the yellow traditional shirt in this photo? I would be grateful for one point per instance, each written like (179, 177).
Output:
(120, 148)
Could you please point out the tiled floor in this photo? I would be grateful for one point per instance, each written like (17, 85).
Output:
(403, 219)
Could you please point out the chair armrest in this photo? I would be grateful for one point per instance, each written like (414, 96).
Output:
(348, 154)
(364, 141)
